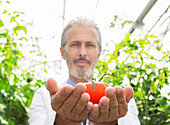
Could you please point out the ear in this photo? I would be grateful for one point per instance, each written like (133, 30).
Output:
(62, 52)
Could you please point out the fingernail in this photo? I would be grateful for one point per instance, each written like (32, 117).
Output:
(89, 106)
(68, 90)
(96, 109)
(118, 91)
(110, 92)
(79, 87)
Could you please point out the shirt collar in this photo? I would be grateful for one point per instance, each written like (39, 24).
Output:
(70, 82)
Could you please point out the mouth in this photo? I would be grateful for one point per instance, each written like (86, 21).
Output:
(82, 62)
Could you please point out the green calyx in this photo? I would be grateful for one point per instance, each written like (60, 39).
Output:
(87, 80)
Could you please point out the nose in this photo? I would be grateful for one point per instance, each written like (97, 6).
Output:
(83, 52)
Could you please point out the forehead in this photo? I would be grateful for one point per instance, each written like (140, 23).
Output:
(82, 33)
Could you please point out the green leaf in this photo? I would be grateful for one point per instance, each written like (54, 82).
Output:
(112, 25)
(5, 11)
(7, 2)
(158, 48)
(45, 70)
(23, 38)
(19, 53)
(22, 12)
(3, 35)
(12, 19)
(157, 41)
(115, 18)
(17, 15)
(152, 65)
(125, 22)
(1, 23)
(45, 62)
(16, 79)
(18, 28)
(127, 38)
(14, 44)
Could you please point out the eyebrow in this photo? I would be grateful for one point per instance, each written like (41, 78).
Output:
(90, 42)
(75, 41)
(80, 41)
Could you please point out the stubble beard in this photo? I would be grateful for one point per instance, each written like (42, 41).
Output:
(74, 72)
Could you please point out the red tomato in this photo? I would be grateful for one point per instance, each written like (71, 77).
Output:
(97, 92)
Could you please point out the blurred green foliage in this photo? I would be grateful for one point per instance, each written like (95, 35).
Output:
(16, 89)
(143, 65)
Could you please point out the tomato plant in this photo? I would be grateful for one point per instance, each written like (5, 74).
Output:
(133, 63)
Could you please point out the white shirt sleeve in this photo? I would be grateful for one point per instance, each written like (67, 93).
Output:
(40, 112)
(131, 118)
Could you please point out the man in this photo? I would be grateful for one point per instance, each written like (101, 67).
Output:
(69, 104)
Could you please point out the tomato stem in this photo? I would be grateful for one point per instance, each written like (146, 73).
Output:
(93, 84)
(105, 77)
(87, 76)
(86, 80)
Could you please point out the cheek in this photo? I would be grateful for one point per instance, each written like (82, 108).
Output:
(71, 55)
(73, 51)
(93, 55)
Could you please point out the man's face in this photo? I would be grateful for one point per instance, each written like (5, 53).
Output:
(81, 51)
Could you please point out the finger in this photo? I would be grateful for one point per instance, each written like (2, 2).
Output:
(86, 111)
(57, 100)
(104, 108)
(73, 99)
(113, 105)
(122, 104)
(52, 86)
(129, 93)
(81, 104)
(94, 114)
(104, 104)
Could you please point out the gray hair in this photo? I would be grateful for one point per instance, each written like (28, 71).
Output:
(80, 22)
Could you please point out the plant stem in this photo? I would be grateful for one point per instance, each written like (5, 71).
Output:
(93, 84)
(82, 77)
(105, 77)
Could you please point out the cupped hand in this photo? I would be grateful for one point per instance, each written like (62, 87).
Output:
(70, 104)
(112, 106)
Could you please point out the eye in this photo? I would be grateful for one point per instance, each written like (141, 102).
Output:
(90, 45)
(74, 44)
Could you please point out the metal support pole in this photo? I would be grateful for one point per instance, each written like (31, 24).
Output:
(139, 21)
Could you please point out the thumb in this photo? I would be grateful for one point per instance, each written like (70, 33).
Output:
(52, 86)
